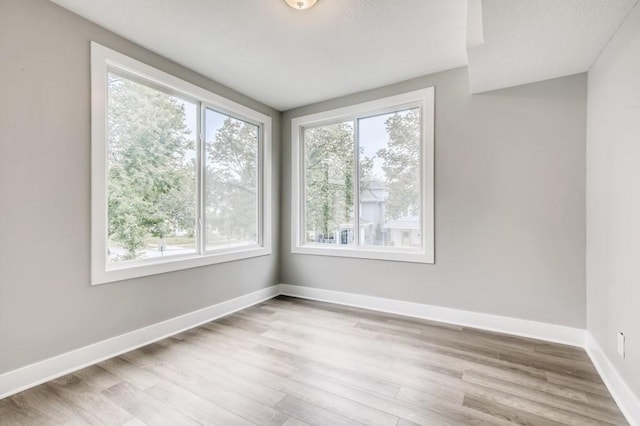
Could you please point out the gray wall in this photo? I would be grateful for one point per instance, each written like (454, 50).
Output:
(613, 199)
(46, 303)
(510, 205)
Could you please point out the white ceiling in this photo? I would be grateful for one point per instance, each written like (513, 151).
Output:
(287, 58)
(534, 40)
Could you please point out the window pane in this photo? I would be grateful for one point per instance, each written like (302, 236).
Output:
(328, 184)
(151, 183)
(231, 182)
(389, 163)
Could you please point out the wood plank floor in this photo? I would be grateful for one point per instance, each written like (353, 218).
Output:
(294, 362)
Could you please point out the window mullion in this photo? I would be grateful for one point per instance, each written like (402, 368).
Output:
(201, 183)
(260, 186)
(356, 186)
(302, 189)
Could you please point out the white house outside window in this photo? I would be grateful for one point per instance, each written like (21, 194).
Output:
(363, 180)
(180, 176)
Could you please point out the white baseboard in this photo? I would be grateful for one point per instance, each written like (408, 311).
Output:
(519, 327)
(627, 401)
(34, 374)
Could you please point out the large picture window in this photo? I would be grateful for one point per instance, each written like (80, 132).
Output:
(179, 175)
(363, 180)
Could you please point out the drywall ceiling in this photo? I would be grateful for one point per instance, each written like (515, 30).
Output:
(287, 58)
(534, 40)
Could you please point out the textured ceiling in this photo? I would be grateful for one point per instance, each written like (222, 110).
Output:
(534, 40)
(287, 58)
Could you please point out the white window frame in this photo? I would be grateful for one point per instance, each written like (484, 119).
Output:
(423, 99)
(103, 60)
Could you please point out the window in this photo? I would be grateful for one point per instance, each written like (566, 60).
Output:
(363, 180)
(180, 176)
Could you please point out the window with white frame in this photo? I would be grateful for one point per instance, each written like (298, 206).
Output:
(180, 175)
(363, 180)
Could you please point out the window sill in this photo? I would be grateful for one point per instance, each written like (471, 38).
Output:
(395, 255)
(177, 263)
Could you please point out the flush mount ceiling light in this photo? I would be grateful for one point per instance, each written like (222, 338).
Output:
(301, 4)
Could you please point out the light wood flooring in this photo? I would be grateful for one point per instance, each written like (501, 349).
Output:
(294, 362)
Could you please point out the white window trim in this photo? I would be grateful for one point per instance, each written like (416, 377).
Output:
(424, 98)
(101, 272)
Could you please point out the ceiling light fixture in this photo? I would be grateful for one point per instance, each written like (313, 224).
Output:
(301, 4)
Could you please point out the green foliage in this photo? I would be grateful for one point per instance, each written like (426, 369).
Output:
(328, 176)
(151, 185)
(151, 171)
(231, 180)
(401, 164)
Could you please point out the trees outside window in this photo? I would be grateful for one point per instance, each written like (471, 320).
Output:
(390, 197)
(363, 180)
(328, 181)
(231, 181)
(180, 175)
(151, 183)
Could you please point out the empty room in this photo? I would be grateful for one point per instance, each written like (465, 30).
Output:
(320, 212)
